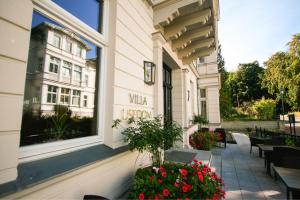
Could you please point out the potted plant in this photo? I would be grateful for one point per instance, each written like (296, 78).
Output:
(200, 120)
(177, 181)
(150, 135)
(203, 140)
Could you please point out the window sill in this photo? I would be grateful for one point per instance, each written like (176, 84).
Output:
(36, 172)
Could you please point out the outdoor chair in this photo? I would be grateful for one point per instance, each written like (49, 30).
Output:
(221, 135)
(254, 141)
(94, 197)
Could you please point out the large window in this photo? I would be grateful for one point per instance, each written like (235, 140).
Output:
(65, 96)
(77, 73)
(68, 46)
(51, 94)
(54, 64)
(57, 115)
(66, 70)
(56, 40)
(76, 98)
(79, 51)
(202, 107)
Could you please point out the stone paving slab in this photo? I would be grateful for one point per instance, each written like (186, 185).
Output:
(243, 173)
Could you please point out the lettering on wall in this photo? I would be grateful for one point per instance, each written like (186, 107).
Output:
(136, 99)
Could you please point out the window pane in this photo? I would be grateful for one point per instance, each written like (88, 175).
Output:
(202, 93)
(53, 107)
(88, 11)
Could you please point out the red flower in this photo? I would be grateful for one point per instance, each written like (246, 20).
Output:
(186, 198)
(161, 168)
(164, 174)
(200, 177)
(159, 181)
(166, 192)
(156, 197)
(176, 184)
(216, 196)
(141, 196)
(184, 172)
(185, 188)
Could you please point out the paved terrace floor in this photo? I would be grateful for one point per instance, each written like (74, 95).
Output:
(243, 173)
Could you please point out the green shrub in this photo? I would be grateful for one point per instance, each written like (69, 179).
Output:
(264, 109)
(177, 181)
(200, 120)
(151, 135)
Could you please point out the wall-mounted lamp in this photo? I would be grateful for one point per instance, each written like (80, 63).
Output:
(149, 72)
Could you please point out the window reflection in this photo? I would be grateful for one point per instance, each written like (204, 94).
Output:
(60, 84)
(88, 11)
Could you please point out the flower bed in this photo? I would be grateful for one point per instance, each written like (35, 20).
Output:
(177, 181)
(203, 140)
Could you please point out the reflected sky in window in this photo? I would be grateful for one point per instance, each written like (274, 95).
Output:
(86, 10)
(38, 19)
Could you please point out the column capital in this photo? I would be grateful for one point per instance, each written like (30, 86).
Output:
(158, 39)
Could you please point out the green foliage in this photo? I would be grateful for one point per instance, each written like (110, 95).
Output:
(245, 83)
(177, 181)
(264, 109)
(59, 119)
(283, 73)
(201, 120)
(225, 94)
(203, 140)
(151, 135)
(289, 142)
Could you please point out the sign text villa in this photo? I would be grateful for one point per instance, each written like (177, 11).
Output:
(136, 113)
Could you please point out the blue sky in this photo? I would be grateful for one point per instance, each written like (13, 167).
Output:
(87, 12)
(255, 29)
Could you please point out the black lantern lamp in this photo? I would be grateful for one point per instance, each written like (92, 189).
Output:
(149, 72)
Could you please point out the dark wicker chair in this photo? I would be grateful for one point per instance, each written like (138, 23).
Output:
(221, 135)
(254, 142)
(94, 197)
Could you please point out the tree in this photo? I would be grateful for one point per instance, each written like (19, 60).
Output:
(245, 83)
(283, 74)
(225, 95)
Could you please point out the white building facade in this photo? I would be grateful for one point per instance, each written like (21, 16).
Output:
(178, 36)
(58, 72)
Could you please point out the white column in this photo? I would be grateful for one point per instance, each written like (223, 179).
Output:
(185, 104)
(158, 42)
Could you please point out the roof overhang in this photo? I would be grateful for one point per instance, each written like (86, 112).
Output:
(189, 25)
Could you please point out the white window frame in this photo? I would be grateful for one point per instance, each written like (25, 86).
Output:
(202, 99)
(67, 66)
(55, 62)
(76, 96)
(86, 80)
(55, 35)
(61, 16)
(68, 48)
(65, 93)
(79, 50)
(85, 101)
(77, 70)
(51, 93)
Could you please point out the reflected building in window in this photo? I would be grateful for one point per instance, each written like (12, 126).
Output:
(59, 72)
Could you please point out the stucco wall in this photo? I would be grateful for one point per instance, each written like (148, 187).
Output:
(134, 45)
(108, 178)
(14, 40)
(242, 125)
